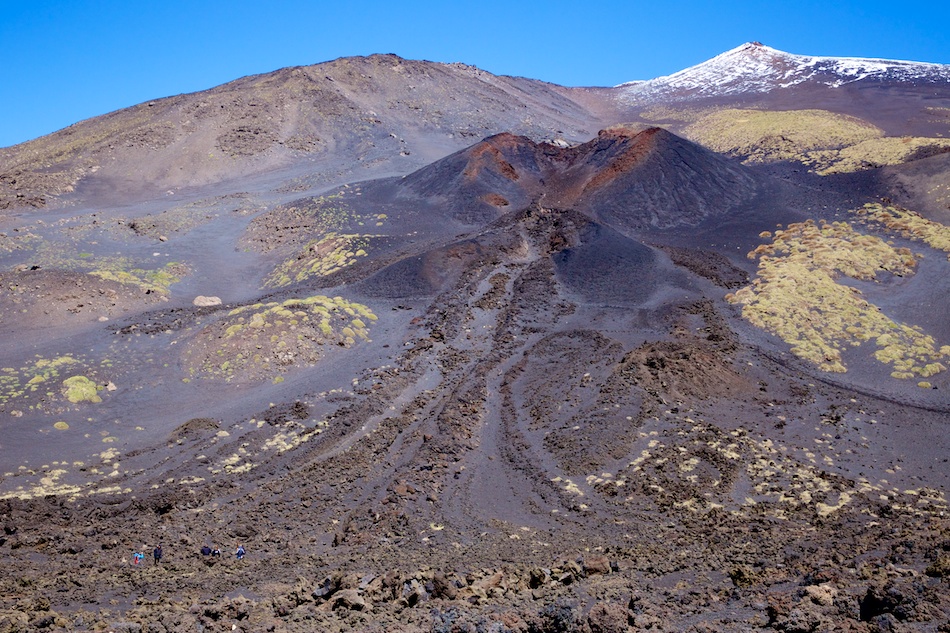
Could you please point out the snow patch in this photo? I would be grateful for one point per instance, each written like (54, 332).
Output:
(756, 68)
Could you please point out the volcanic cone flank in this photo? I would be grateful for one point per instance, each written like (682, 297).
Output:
(657, 179)
(630, 177)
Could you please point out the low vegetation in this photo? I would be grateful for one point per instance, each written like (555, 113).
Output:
(119, 269)
(18, 240)
(876, 152)
(908, 224)
(320, 258)
(29, 386)
(263, 340)
(827, 142)
(762, 136)
(81, 389)
(178, 220)
(150, 280)
(797, 297)
(663, 114)
(300, 221)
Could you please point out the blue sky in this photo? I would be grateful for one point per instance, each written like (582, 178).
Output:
(64, 61)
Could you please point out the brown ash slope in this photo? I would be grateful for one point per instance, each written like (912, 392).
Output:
(363, 115)
(504, 392)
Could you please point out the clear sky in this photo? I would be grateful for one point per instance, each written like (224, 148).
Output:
(62, 61)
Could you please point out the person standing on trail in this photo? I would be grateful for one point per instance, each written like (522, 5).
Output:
(240, 552)
(136, 557)
(157, 553)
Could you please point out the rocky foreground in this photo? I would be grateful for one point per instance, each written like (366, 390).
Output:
(854, 573)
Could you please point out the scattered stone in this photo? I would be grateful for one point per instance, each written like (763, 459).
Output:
(823, 594)
(596, 565)
(442, 588)
(349, 599)
(940, 568)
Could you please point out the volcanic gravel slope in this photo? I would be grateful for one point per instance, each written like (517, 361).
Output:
(513, 390)
(359, 116)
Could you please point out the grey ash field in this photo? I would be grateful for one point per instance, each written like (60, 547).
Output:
(447, 351)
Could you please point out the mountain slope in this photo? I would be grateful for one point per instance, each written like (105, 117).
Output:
(368, 116)
(755, 68)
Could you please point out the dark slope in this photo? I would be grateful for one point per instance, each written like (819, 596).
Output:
(628, 177)
(654, 179)
(922, 185)
(426, 275)
(602, 266)
(477, 184)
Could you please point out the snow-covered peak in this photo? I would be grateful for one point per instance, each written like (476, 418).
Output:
(756, 68)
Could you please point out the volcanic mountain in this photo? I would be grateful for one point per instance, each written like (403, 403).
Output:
(365, 116)
(754, 68)
(446, 351)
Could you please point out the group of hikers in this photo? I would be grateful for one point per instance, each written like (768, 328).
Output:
(156, 553)
(205, 551)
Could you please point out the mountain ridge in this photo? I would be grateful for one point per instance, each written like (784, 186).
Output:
(288, 117)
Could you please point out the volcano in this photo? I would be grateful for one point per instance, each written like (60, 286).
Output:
(446, 351)
(756, 68)
(634, 178)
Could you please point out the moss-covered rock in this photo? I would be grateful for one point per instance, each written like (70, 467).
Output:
(258, 341)
(81, 389)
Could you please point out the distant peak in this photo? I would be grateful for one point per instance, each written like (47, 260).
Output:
(750, 48)
(754, 67)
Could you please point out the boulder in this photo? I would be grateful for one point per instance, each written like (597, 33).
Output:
(940, 568)
(204, 302)
(413, 593)
(607, 617)
(823, 594)
(349, 599)
(596, 565)
(442, 587)
(538, 577)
